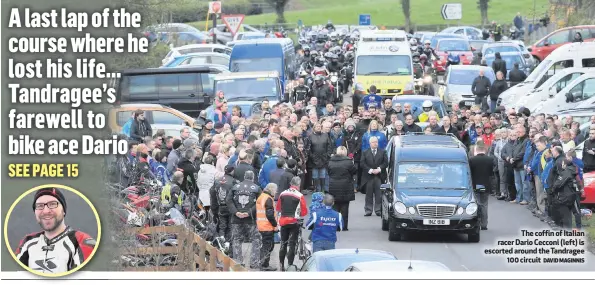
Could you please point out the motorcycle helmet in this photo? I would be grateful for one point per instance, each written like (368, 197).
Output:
(314, 54)
(415, 57)
(333, 57)
(413, 42)
(319, 61)
(423, 57)
(427, 106)
(334, 36)
(427, 42)
(306, 49)
(349, 56)
(319, 80)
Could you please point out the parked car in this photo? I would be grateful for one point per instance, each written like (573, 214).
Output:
(398, 266)
(477, 46)
(538, 96)
(429, 188)
(588, 197)
(224, 35)
(173, 130)
(543, 47)
(154, 114)
(188, 49)
(337, 260)
(188, 89)
(184, 38)
(200, 58)
(245, 36)
(471, 33)
(510, 58)
(456, 86)
(163, 32)
(420, 34)
(524, 50)
(446, 47)
(579, 93)
(438, 36)
(571, 55)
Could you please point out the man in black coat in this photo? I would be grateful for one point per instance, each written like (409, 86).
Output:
(410, 126)
(481, 90)
(499, 64)
(516, 75)
(280, 177)
(374, 163)
(244, 165)
(140, 128)
(482, 170)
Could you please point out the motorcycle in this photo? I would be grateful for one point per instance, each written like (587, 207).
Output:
(424, 86)
(336, 84)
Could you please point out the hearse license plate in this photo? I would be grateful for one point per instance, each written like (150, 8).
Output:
(436, 222)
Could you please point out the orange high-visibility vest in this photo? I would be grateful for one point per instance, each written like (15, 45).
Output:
(262, 223)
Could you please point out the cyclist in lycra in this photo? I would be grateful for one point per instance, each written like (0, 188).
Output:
(58, 248)
(291, 206)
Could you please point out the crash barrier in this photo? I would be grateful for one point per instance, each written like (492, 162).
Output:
(190, 247)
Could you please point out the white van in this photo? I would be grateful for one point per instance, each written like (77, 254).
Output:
(550, 87)
(579, 93)
(570, 55)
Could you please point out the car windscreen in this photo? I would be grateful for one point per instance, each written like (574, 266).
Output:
(251, 37)
(416, 108)
(194, 50)
(248, 89)
(453, 45)
(493, 50)
(257, 64)
(435, 39)
(509, 59)
(478, 46)
(434, 175)
(340, 263)
(466, 76)
(538, 70)
(380, 65)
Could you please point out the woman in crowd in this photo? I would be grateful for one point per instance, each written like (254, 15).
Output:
(341, 170)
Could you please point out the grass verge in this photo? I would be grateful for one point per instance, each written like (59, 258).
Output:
(389, 12)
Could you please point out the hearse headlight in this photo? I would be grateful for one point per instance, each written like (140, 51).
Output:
(460, 211)
(400, 208)
(411, 210)
(471, 209)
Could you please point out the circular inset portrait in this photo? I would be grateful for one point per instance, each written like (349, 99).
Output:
(52, 230)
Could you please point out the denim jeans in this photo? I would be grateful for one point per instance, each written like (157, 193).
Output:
(320, 173)
(321, 245)
(528, 189)
(493, 104)
(519, 177)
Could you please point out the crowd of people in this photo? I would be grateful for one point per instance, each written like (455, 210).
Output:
(252, 173)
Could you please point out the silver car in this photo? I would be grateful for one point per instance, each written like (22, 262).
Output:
(509, 46)
(456, 87)
(471, 33)
(224, 34)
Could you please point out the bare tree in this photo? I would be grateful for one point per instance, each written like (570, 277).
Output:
(406, 6)
(483, 9)
(279, 6)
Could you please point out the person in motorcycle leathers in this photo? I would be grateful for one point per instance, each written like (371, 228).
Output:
(301, 92)
(334, 65)
(418, 70)
(319, 67)
(428, 50)
(329, 26)
(307, 53)
(423, 60)
(497, 28)
(322, 92)
(427, 107)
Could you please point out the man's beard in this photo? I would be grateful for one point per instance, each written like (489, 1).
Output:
(52, 227)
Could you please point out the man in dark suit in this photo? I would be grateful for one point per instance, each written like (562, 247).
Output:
(374, 162)
(280, 177)
(482, 168)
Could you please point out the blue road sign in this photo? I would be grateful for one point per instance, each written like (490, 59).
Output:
(364, 19)
(300, 23)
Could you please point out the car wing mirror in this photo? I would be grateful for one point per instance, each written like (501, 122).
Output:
(291, 268)
(529, 49)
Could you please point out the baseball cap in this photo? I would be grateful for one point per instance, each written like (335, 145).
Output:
(229, 168)
(219, 126)
(51, 192)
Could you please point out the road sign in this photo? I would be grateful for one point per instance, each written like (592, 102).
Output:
(452, 11)
(300, 23)
(365, 19)
(233, 22)
(215, 7)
